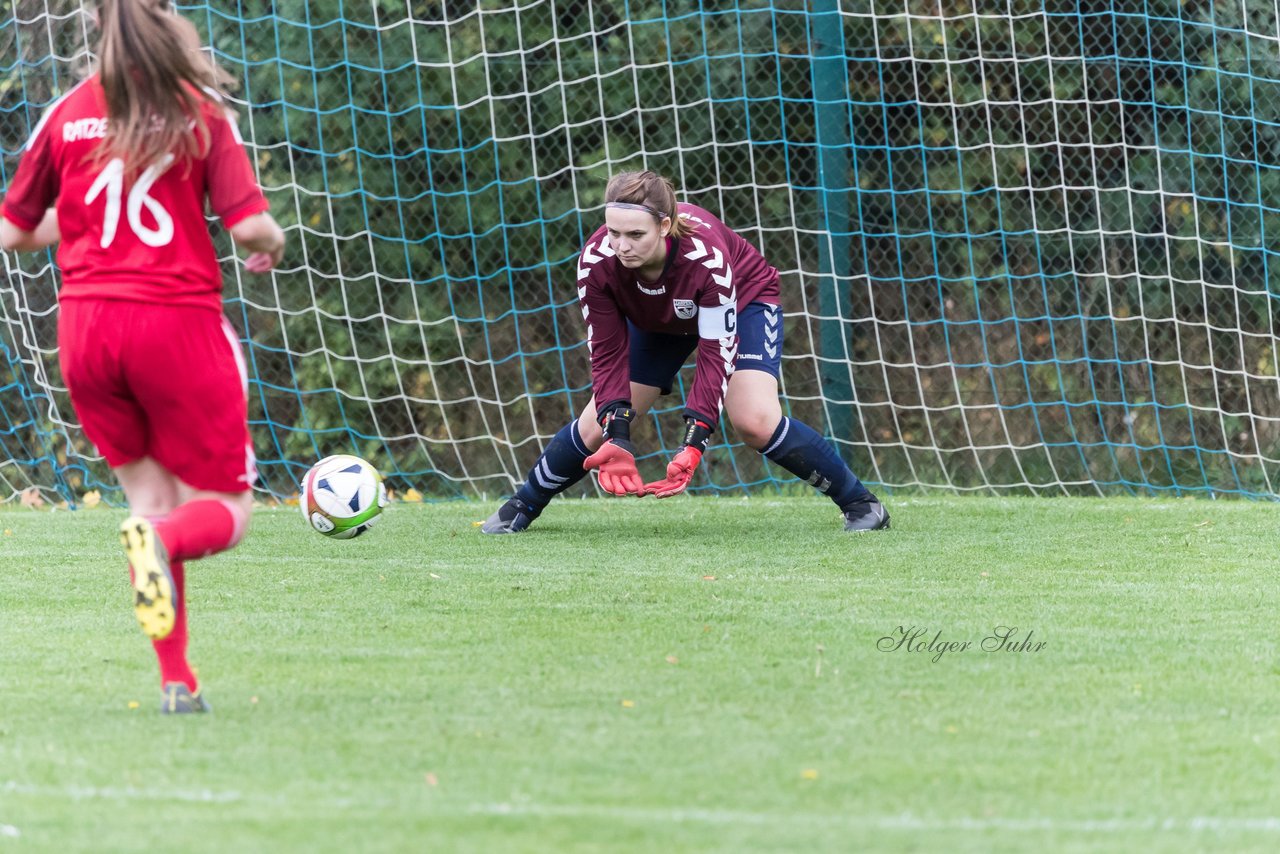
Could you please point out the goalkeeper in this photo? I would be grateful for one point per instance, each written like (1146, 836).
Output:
(657, 281)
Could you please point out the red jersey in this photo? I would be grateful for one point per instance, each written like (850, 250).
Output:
(710, 274)
(141, 238)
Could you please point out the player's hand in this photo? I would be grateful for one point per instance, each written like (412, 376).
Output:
(260, 262)
(617, 464)
(263, 238)
(679, 472)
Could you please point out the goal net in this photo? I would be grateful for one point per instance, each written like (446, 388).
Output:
(1023, 245)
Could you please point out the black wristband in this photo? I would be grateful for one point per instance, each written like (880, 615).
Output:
(616, 424)
(697, 434)
(620, 408)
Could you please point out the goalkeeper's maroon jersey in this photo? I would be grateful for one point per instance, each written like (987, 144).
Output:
(141, 238)
(710, 274)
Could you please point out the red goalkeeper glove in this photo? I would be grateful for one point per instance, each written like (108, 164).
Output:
(680, 470)
(617, 465)
(616, 458)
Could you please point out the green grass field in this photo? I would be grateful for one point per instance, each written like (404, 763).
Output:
(688, 675)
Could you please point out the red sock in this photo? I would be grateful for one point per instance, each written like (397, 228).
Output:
(200, 528)
(172, 651)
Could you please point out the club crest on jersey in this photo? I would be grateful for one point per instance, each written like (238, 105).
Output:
(685, 308)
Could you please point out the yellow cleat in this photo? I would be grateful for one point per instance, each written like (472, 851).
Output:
(155, 598)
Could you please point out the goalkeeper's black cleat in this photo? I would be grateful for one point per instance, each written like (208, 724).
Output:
(511, 518)
(868, 515)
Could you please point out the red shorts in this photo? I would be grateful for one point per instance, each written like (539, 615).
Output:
(160, 381)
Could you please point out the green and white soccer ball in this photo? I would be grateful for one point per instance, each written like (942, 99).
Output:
(342, 496)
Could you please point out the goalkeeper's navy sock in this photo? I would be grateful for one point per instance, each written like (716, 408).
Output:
(799, 449)
(559, 468)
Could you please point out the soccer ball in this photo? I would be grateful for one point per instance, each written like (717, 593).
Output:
(342, 496)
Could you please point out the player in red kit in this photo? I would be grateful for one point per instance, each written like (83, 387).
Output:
(658, 281)
(118, 173)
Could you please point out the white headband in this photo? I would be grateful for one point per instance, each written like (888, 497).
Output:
(627, 206)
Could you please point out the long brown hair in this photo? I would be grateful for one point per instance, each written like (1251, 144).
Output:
(155, 80)
(650, 190)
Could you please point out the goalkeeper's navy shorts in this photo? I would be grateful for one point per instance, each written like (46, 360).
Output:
(656, 357)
